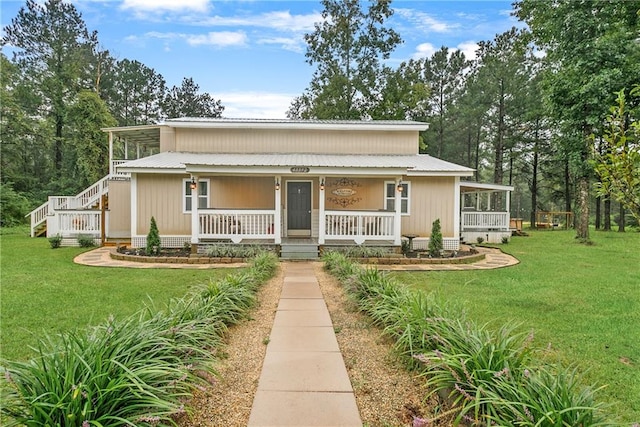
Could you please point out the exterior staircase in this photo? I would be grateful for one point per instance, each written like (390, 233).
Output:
(74, 214)
(299, 251)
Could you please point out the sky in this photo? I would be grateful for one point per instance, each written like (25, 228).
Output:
(251, 54)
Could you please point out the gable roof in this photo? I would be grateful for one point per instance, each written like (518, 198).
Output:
(181, 162)
(383, 125)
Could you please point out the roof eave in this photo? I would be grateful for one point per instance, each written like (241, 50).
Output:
(364, 126)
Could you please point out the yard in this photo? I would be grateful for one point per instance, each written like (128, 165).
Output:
(581, 302)
(43, 290)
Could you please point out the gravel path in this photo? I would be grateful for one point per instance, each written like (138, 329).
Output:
(386, 394)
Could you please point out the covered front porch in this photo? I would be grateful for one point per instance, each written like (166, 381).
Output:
(485, 212)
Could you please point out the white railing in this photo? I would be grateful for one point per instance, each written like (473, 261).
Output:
(114, 169)
(38, 216)
(359, 225)
(236, 224)
(92, 194)
(75, 222)
(485, 221)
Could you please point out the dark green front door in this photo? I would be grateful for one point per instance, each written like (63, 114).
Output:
(299, 208)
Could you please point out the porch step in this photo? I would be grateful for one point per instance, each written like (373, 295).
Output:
(299, 251)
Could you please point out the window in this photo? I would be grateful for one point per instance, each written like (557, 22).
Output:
(390, 195)
(203, 194)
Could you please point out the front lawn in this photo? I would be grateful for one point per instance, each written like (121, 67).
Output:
(582, 302)
(43, 290)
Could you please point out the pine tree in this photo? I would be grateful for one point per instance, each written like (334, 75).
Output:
(153, 238)
(435, 241)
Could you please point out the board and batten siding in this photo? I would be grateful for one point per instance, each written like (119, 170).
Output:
(160, 196)
(236, 192)
(431, 198)
(291, 141)
(120, 217)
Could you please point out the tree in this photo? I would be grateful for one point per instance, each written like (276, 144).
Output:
(347, 49)
(153, 239)
(137, 94)
(619, 166)
(52, 46)
(591, 51)
(435, 241)
(185, 101)
(88, 115)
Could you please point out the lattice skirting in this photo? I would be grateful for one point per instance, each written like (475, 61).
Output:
(448, 243)
(73, 241)
(166, 241)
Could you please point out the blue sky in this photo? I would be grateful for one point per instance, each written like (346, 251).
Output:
(250, 54)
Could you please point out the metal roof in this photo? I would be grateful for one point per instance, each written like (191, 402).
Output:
(383, 125)
(180, 161)
(145, 134)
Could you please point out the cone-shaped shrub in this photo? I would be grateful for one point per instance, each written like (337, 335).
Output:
(153, 239)
(435, 241)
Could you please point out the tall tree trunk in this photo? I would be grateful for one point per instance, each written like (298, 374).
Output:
(598, 214)
(534, 181)
(567, 186)
(477, 165)
(582, 228)
(607, 214)
(621, 223)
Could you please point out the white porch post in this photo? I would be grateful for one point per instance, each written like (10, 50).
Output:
(488, 201)
(277, 220)
(195, 223)
(456, 209)
(137, 150)
(508, 198)
(397, 219)
(322, 222)
(111, 153)
(134, 205)
(126, 149)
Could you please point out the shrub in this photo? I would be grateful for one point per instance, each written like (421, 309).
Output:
(153, 239)
(480, 240)
(137, 371)
(435, 241)
(13, 206)
(505, 240)
(86, 241)
(55, 241)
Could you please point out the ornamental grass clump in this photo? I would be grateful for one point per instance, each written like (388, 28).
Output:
(135, 371)
(487, 376)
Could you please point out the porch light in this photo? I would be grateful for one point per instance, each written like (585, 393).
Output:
(322, 185)
(400, 187)
(277, 184)
(193, 184)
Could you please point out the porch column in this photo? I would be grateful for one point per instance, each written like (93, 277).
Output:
(277, 218)
(134, 206)
(456, 209)
(111, 153)
(195, 223)
(137, 150)
(397, 219)
(126, 149)
(322, 221)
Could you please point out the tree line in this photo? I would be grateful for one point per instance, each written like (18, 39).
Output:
(532, 109)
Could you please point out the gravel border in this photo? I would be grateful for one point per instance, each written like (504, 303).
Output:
(386, 394)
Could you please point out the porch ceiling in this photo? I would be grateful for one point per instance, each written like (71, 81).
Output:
(414, 165)
(148, 135)
(473, 187)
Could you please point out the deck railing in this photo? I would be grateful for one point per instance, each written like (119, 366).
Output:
(236, 224)
(75, 222)
(114, 169)
(485, 221)
(359, 225)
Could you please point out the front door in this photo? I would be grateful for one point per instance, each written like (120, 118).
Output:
(298, 208)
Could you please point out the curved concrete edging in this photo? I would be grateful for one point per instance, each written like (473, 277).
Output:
(493, 258)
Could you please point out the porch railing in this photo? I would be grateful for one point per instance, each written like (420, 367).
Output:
(485, 221)
(359, 225)
(236, 224)
(114, 169)
(75, 222)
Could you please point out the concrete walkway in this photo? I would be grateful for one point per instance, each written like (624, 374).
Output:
(304, 380)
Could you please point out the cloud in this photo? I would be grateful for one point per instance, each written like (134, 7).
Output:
(257, 105)
(424, 22)
(424, 50)
(469, 48)
(166, 5)
(286, 43)
(278, 20)
(218, 39)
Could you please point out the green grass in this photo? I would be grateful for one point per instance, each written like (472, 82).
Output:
(582, 302)
(43, 290)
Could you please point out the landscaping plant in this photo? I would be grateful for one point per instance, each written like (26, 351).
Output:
(135, 371)
(153, 239)
(487, 376)
(435, 241)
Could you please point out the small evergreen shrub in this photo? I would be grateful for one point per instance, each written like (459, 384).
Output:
(55, 241)
(153, 239)
(435, 241)
(480, 240)
(86, 241)
(505, 240)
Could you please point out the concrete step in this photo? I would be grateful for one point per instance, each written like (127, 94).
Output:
(299, 251)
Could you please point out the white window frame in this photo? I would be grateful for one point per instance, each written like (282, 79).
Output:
(407, 198)
(185, 183)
